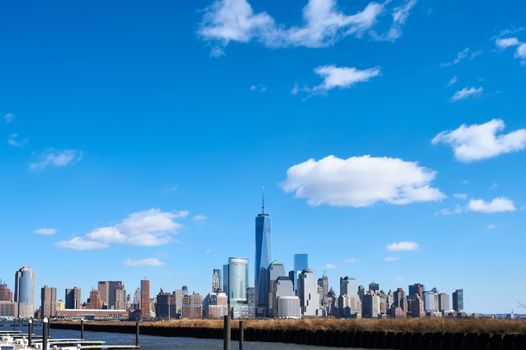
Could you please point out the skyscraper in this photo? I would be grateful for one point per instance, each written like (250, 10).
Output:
(443, 302)
(301, 262)
(48, 298)
(145, 298)
(216, 281)
(73, 298)
(263, 257)
(5, 293)
(237, 280)
(308, 293)
(458, 300)
(94, 301)
(348, 286)
(104, 288)
(116, 295)
(25, 292)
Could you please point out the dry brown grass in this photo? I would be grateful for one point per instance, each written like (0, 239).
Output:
(387, 325)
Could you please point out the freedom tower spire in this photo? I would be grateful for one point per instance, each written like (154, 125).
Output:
(263, 257)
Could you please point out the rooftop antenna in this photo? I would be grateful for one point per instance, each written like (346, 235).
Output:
(263, 200)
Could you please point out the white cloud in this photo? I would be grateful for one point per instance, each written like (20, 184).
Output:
(452, 81)
(481, 141)
(258, 88)
(351, 261)
(467, 53)
(492, 226)
(342, 77)
(45, 231)
(147, 262)
(323, 24)
(391, 258)
(200, 218)
(15, 141)
(496, 205)
(330, 266)
(151, 227)
(403, 246)
(466, 92)
(52, 158)
(461, 196)
(446, 211)
(80, 243)
(520, 51)
(9, 117)
(361, 181)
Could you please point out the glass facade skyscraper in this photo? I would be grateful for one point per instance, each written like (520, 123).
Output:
(237, 280)
(25, 292)
(263, 257)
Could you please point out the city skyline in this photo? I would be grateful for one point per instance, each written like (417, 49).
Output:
(134, 139)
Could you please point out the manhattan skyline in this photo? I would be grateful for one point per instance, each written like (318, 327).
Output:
(135, 139)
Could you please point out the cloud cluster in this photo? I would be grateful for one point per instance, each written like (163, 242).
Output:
(361, 181)
(147, 262)
(53, 158)
(496, 205)
(403, 246)
(482, 141)
(9, 117)
(462, 55)
(513, 42)
(323, 24)
(45, 231)
(151, 227)
(15, 141)
(467, 92)
(342, 77)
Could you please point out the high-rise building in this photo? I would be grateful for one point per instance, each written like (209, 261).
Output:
(192, 306)
(165, 306)
(429, 302)
(416, 288)
(400, 300)
(458, 300)
(145, 298)
(348, 286)
(61, 306)
(48, 298)
(216, 281)
(137, 299)
(371, 304)
(417, 306)
(5, 293)
(116, 295)
(25, 292)
(104, 293)
(323, 282)
(443, 302)
(374, 287)
(275, 271)
(308, 293)
(73, 298)
(215, 305)
(179, 295)
(301, 262)
(263, 258)
(237, 280)
(94, 302)
(225, 278)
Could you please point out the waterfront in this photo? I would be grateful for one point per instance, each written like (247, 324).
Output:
(164, 343)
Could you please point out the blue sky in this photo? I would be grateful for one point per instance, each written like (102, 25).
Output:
(389, 138)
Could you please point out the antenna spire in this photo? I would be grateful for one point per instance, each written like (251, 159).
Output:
(263, 200)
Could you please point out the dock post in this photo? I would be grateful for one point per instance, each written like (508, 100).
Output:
(45, 333)
(81, 329)
(226, 333)
(29, 331)
(137, 332)
(241, 335)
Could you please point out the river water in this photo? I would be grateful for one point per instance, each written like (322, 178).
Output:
(149, 342)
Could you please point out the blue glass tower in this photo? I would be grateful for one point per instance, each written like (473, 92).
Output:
(263, 257)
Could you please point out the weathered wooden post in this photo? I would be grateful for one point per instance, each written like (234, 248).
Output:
(226, 333)
(29, 331)
(241, 335)
(45, 333)
(137, 332)
(81, 329)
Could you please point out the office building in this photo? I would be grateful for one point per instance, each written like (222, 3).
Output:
(288, 307)
(237, 280)
(215, 305)
(94, 301)
(374, 287)
(429, 302)
(416, 288)
(5, 293)
(145, 298)
(458, 300)
(275, 271)
(323, 283)
(371, 304)
(216, 281)
(192, 306)
(400, 301)
(104, 292)
(301, 262)
(48, 299)
(348, 286)
(165, 306)
(263, 258)
(61, 305)
(443, 302)
(179, 295)
(8, 309)
(225, 278)
(417, 306)
(308, 293)
(73, 298)
(25, 292)
(137, 299)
